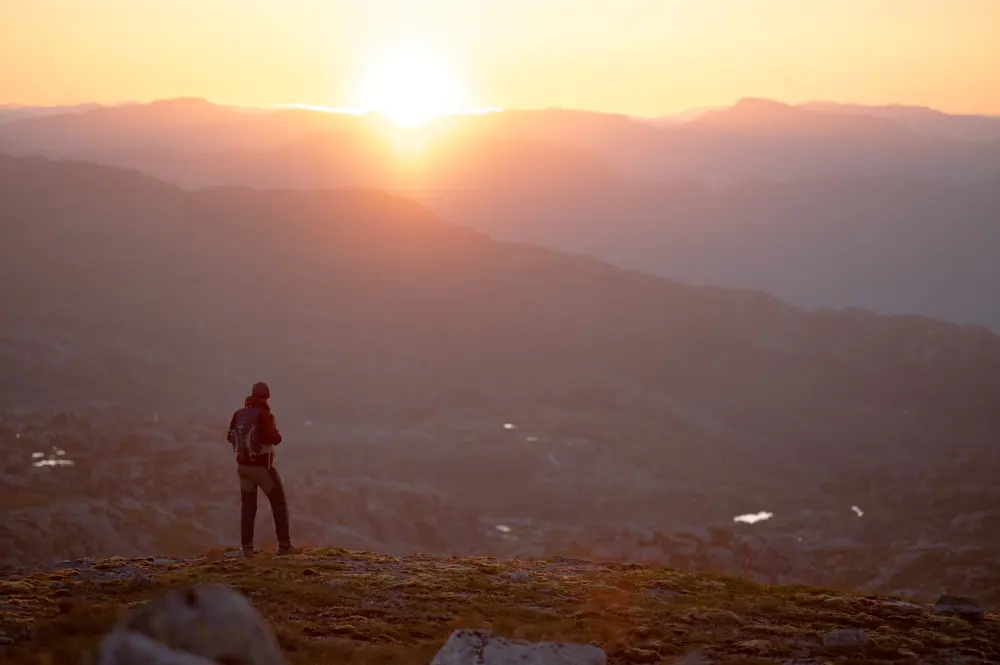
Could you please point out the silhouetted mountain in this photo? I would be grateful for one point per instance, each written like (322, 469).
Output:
(10, 112)
(759, 139)
(622, 190)
(763, 116)
(679, 117)
(753, 139)
(113, 278)
(921, 119)
(893, 245)
(172, 125)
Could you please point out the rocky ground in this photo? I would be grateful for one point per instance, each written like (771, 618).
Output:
(336, 606)
(102, 482)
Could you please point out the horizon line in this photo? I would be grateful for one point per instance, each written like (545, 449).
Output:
(484, 110)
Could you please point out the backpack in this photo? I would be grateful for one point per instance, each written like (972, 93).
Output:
(245, 434)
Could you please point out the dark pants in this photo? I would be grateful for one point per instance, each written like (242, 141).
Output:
(268, 480)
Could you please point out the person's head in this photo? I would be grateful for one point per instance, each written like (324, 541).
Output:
(260, 391)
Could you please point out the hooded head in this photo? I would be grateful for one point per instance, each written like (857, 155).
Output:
(258, 395)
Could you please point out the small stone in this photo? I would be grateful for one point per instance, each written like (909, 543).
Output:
(643, 656)
(480, 647)
(520, 576)
(315, 631)
(904, 605)
(61, 593)
(693, 658)
(309, 572)
(140, 581)
(848, 638)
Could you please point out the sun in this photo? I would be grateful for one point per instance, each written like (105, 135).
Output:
(411, 85)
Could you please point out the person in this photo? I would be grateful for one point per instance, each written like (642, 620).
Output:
(254, 434)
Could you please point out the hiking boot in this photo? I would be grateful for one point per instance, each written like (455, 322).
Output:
(284, 550)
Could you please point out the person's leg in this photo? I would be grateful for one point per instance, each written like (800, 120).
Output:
(279, 509)
(248, 508)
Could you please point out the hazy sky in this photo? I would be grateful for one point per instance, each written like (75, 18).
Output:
(635, 56)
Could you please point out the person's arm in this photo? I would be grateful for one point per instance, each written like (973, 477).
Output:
(229, 433)
(269, 428)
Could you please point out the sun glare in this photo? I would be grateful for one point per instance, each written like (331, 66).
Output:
(410, 85)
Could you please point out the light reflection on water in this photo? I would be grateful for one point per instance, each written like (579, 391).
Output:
(55, 458)
(753, 518)
(506, 533)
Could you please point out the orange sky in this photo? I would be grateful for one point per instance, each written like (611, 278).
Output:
(646, 57)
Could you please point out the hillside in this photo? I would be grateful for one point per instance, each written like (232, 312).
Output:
(821, 208)
(446, 393)
(890, 245)
(360, 284)
(334, 606)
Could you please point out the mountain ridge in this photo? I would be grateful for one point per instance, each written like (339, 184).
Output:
(717, 208)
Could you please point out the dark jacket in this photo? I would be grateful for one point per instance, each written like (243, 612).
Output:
(267, 427)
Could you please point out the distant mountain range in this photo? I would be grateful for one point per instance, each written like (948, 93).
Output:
(11, 112)
(962, 127)
(753, 139)
(118, 286)
(889, 208)
(921, 119)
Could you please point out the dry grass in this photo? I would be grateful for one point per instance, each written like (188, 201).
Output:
(331, 606)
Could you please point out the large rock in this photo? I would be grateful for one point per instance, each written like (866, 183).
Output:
(846, 638)
(958, 606)
(135, 649)
(479, 647)
(200, 625)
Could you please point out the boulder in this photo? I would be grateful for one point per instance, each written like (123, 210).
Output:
(959, 606)
(480, 647)
(128, 648)
(197, 625)
(848, 638)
